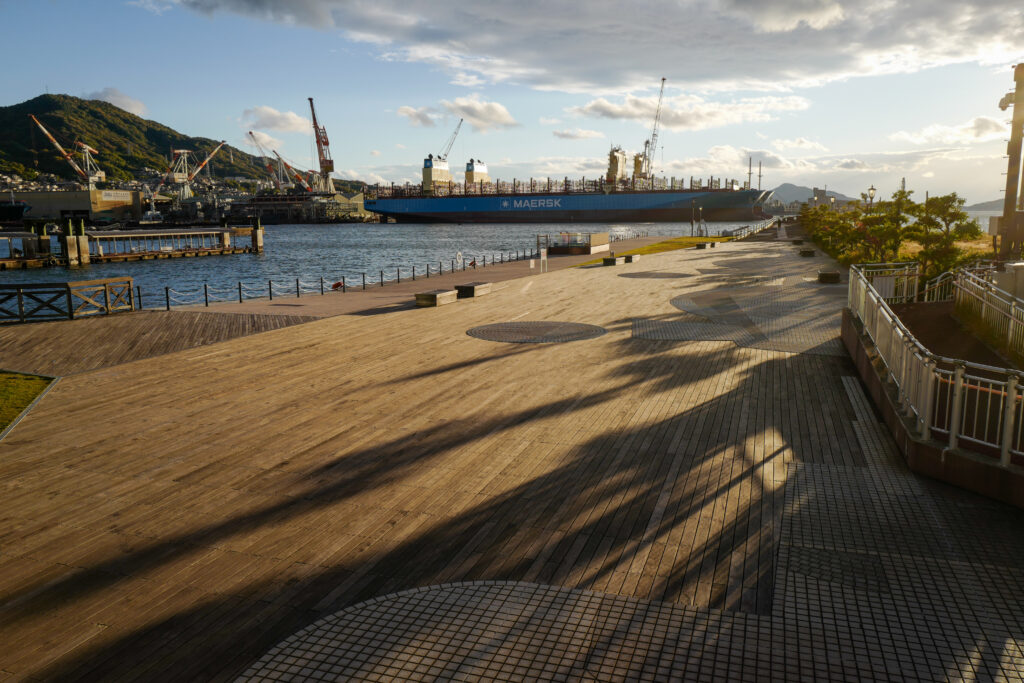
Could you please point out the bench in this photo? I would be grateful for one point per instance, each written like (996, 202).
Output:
(632, 258)
(702, 245)
(798, 241)
(807, 252)
(613, 260)
(436, 297)
(828, 277)
(473, 289)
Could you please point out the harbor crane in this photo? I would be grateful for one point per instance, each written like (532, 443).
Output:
(275, 175)
(298, 176)
(179, 172)
(642, 163)
(323, 182)
(443, 156)
(91, 174)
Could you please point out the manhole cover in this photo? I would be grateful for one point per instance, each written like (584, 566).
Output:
(536, 332)
(653, 275)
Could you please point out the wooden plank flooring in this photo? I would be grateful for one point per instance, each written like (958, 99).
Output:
(69, 346)
(174, 517)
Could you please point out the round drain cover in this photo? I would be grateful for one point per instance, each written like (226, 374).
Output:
(535, 332)
(654, 275)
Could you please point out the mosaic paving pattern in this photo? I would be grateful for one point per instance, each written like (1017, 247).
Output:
(536, 332)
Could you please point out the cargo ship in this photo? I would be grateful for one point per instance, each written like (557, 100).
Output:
(613, 198)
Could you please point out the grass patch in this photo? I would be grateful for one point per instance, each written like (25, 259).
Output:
(16, 393)
(659, 247)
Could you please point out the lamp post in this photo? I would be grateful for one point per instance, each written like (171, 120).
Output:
(871, 196)
(832, 200)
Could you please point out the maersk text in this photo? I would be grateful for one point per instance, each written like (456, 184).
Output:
(536, 203)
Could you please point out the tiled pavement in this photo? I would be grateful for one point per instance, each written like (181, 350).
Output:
(879, 575)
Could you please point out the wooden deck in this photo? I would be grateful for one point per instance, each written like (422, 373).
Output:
(173, 518)
(66, 347)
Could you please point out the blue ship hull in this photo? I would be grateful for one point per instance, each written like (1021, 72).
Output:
(658, 206)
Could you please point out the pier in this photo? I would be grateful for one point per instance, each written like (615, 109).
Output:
(696, 488)
(75, 245)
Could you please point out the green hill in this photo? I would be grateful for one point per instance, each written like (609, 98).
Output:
(127, 143)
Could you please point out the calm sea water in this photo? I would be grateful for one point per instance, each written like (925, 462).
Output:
(309, 252)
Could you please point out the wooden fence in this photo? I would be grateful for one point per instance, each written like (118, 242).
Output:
(25, 303)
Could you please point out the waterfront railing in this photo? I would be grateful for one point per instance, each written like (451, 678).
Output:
(947, 399)
(22, 303)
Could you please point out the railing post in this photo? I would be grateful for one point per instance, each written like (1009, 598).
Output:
(382, 278)
(298, 292)
(1009, 325)
(106, 298)
(239, 291)
(206, 293)
(1009, 412)
(414, 272)
(957, 406)
(270, 289)
(167, 297)
(71, 306)
(343, 285)
(929, 399)
(321, 285)
(364, 281)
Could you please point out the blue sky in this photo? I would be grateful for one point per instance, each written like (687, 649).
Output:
(821, 91)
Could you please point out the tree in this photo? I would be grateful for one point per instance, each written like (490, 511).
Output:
(948, 209)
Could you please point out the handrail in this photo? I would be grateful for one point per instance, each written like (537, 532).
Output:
(22, 303)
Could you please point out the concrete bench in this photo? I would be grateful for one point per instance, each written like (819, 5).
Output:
(613, 260)
(798, 241)
(473, 289)
(436, 297)
(807, 252)
(702, 245)
(828, 277)
(631, 258)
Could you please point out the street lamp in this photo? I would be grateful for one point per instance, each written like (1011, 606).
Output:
(871, 196)
(832, 199)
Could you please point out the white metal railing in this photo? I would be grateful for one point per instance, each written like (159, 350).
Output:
(947, 398)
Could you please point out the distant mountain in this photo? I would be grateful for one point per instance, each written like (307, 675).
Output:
(127, 143)
(994, 205)
(788, 192)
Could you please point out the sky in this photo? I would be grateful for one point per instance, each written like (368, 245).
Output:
(822, 92)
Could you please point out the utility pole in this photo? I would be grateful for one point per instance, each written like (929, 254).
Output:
(759, 175)
(1009, 225)
(750, 170)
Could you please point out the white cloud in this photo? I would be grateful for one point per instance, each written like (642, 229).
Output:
(422, 116)
(480, 114)
(119, 99)
(978, 129)
(690, 112)
(375, 153)
(268, 142)
(548, 121)
(577, 134)
(268, 118)
(467, 80)
(729, 44)
(399, 145)
(798, 143)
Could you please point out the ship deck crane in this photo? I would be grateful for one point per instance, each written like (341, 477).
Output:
(323, 150)
(92, 173)
(651, 144)
(443, 156)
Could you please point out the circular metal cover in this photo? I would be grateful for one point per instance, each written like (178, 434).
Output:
(535, 332)
(655, 275)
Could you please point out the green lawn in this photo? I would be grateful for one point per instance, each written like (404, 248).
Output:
(16, 392)
(658, 247)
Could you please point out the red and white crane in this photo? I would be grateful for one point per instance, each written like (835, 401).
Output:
(91, 174)
(323, 183)
(274, 175)
(298, 176)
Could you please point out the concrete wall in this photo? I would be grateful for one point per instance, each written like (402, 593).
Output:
(113, 205)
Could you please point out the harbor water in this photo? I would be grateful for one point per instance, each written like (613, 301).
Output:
(309, 252)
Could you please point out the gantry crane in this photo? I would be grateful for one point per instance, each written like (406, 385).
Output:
(179, 172)
(324, 183)
(92, 173)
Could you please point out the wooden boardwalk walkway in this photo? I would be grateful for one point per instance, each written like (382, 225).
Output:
(66, 347)
(173, 518)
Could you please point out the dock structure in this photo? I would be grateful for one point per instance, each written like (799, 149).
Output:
(75, 245)
(703, 492)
